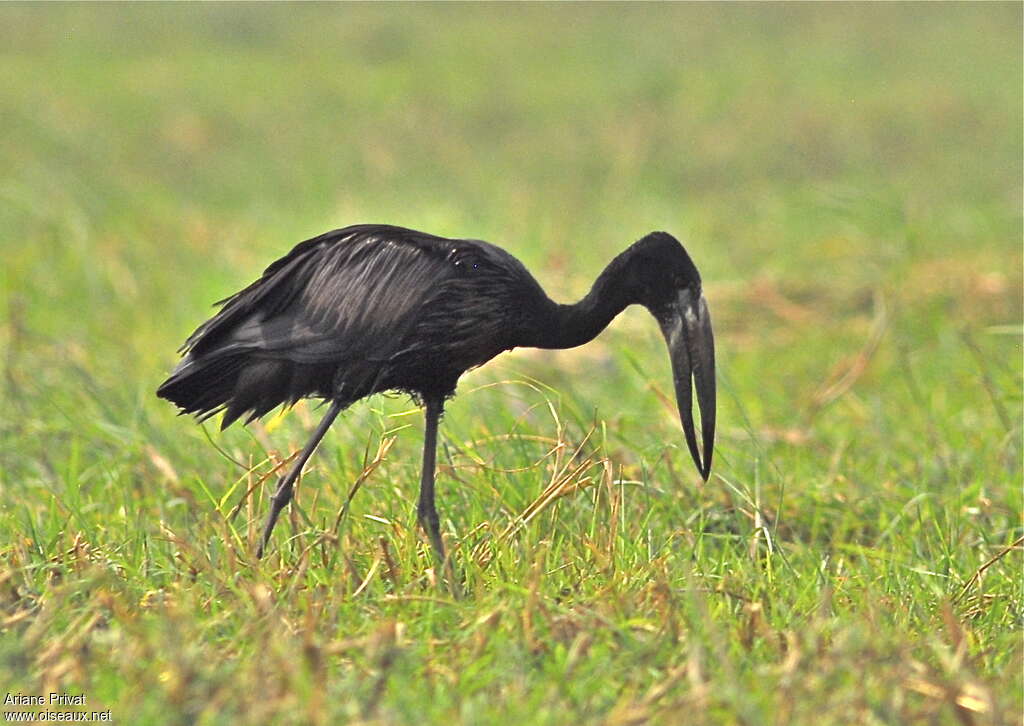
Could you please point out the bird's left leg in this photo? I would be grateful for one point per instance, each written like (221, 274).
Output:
(426, 511)
(283, 495)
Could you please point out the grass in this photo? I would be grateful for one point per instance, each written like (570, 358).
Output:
(847, 177)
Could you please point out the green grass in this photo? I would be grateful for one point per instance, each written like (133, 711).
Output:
(848, 178)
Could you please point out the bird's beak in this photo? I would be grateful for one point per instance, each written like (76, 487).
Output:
(686, 325)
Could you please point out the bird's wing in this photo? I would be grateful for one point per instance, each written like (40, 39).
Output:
(351, 294)
(353, 312)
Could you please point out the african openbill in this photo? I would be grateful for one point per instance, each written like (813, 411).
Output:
(373, 308)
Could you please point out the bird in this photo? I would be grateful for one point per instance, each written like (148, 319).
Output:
(372, 307)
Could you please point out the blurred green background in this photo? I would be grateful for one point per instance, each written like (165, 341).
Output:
(848, 178)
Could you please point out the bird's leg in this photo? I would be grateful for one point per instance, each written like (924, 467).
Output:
(283, 495)
(425, 511)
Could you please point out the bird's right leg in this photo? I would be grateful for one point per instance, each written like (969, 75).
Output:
(426, 511)
(283, 495)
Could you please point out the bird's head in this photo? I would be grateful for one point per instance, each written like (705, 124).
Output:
(662, 277)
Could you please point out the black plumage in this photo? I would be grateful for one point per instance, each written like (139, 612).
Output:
(373, 308)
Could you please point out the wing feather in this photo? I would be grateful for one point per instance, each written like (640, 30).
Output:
(351, 294)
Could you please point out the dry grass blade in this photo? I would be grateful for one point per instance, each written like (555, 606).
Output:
(564, 482)
(561, 487)
(846, 374)
(467, 451)
(369, 576)
(161, 464)
(564, 486)
(986, 380)
(978, 573)
(383, 447)
(258, 483)
(967, 700)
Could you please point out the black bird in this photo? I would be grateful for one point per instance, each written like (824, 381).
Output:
(373, 308)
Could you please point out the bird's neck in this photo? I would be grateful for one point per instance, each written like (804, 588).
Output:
(571, 325)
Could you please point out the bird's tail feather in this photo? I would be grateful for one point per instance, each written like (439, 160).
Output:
(261, 386)
(212, 383)
(239, 383)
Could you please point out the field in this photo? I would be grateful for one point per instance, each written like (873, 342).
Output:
(848, 179)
